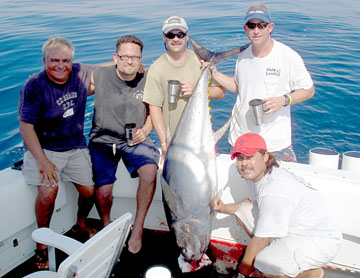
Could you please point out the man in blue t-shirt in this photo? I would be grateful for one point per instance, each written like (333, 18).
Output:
(51, 114)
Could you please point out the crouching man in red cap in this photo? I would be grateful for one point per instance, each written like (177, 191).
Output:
(292, 233)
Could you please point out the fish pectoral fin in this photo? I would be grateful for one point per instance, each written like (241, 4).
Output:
(171, 198)
(222, 130)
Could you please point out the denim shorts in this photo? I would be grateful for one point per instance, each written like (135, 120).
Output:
(105, 159)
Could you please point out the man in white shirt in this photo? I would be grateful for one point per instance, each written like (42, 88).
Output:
(273, 72)
(292, 233)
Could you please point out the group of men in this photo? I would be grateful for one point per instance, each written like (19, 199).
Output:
(51, 114)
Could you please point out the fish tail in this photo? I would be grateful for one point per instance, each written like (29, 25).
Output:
(215, 57)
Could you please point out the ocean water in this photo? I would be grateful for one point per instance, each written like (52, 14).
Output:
(326, 33)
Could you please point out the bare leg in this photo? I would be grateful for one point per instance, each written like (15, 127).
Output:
(144, 196)
(85, 203)
(104, 200)
(44, 207)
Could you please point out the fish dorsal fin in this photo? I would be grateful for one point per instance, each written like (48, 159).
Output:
(215, 57)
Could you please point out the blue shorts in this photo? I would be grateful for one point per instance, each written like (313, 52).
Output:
(286, 154)
(105, 162)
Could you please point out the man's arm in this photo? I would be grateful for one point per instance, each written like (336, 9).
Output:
(225, 81)
(256, 244)
(142, 133)
(217, 205)
(159, 125)
(273, 104)
(91, 89)
(302, 95)
(216, 92)
(46, 167)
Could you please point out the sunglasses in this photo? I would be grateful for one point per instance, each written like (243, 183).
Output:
(170, 36)
(260, 25)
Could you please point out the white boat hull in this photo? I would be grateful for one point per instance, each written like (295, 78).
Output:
(340, 188)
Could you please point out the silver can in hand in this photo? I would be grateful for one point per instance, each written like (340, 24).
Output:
(129, 133)
(173, 90)
(257, 110)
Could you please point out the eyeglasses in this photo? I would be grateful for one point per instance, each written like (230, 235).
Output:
(260, 25)
(126, 57)
(180, 35)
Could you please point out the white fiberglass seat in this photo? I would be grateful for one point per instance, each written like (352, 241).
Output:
(95, 258)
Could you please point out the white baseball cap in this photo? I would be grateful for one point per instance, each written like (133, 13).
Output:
(175, 22)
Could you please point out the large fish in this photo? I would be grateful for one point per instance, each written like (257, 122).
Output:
(189, 179)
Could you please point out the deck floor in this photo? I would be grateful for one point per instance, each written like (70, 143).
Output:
(158, 249)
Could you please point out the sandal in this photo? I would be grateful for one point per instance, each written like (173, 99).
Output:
(41, 259)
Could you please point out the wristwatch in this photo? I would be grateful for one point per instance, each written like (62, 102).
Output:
(287, 100)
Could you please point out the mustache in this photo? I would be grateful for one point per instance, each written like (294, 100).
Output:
(242, 168)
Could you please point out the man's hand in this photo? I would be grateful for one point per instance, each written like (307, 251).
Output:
(273, 104)
(186, 89)
(48, 174)
(212, 67)
(163, 153)
(217, 205)
(139, 136)
(142, 69)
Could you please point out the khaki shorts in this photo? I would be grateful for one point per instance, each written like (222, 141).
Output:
(288, 255)
(74, 166)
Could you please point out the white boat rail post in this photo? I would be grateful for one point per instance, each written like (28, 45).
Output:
(351, 161)
(324, 157)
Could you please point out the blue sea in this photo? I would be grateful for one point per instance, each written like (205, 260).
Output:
(326, 33)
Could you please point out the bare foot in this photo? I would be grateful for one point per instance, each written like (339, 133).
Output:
(41, 259)
(312, 273)
(84, 231)
(135, 241)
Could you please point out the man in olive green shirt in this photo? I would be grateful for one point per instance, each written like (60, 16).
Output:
(178, 63)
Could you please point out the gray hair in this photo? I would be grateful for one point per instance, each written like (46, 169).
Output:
(127, 39)
(56, 42)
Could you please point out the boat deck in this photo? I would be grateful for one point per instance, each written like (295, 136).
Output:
(159, 248)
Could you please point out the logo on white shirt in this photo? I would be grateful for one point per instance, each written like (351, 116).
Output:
(272, 71)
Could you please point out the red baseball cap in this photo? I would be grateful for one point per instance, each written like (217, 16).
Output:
(248, 144)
